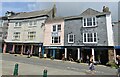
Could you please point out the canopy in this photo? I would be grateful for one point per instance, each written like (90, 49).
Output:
(117, 47)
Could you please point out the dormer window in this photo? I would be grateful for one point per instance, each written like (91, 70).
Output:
(89, 21)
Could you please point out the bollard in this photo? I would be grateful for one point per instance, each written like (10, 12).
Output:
(45, 73)
(16, 70)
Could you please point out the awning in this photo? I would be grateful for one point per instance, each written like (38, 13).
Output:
(117, 47)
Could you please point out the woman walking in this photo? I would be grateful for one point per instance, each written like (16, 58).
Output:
(91, 66)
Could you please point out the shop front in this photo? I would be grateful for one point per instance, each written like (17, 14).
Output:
(53, 52)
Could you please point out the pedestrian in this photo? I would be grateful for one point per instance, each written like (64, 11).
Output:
(28, 52)
(91, 66)
(70, 57)
(118, 60)
(118, 64)
(88, 60)
(63, 57)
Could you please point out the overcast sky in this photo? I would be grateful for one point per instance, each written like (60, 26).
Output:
(63, 8)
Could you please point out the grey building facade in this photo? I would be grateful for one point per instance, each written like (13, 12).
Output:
(116, 33)
(87, 34)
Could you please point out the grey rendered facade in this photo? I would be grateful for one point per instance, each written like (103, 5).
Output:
(116, 26)
(116, 33)
(79, 49)
(75, 26)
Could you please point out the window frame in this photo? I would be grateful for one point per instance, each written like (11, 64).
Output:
(32, 23)
(31, 35)
(85, 22)
(16, 35)
(72, 38)
(87, 38)
(53, 39)
(57, 29)
(18, 24)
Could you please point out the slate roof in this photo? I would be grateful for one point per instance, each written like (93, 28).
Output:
(4, 18)
(87, 12)
(54, 19)
(30, 14)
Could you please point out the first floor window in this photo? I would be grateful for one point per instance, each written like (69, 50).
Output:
(70, 38)
(56, 39)
(16, 35)
(31, 35)
(89, 37)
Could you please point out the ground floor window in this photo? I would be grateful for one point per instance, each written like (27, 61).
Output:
(89, 37)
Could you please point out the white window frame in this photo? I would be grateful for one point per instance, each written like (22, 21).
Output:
(18, 24)
(18, 35)
(53, 38)
(56, 28)
(60, 27)
(69, 38)
(87, 38)
(32, 23)
(92, 22)
(30, 34)
(1, 23)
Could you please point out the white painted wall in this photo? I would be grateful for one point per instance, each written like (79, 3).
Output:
(109, 30)
(48, 31)
(24, 29)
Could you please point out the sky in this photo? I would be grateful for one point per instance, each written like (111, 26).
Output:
(63, 8)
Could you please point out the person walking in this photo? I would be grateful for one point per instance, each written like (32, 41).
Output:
(63, 57)
(88, 60)
(118, 60)
(118, 64)
(91, 66)
(28, 52)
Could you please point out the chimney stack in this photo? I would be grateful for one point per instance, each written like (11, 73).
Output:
(105, 9)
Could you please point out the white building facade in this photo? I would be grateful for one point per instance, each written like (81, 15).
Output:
(25, 32)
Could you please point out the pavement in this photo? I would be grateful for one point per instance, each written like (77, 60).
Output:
(28, 69)
(35, 66)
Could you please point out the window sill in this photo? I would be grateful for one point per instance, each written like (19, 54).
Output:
(70, 42)
(31, 26)
(55, 44)
(89, 42)
(15, 39)
(90, 26)
(18, 27)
